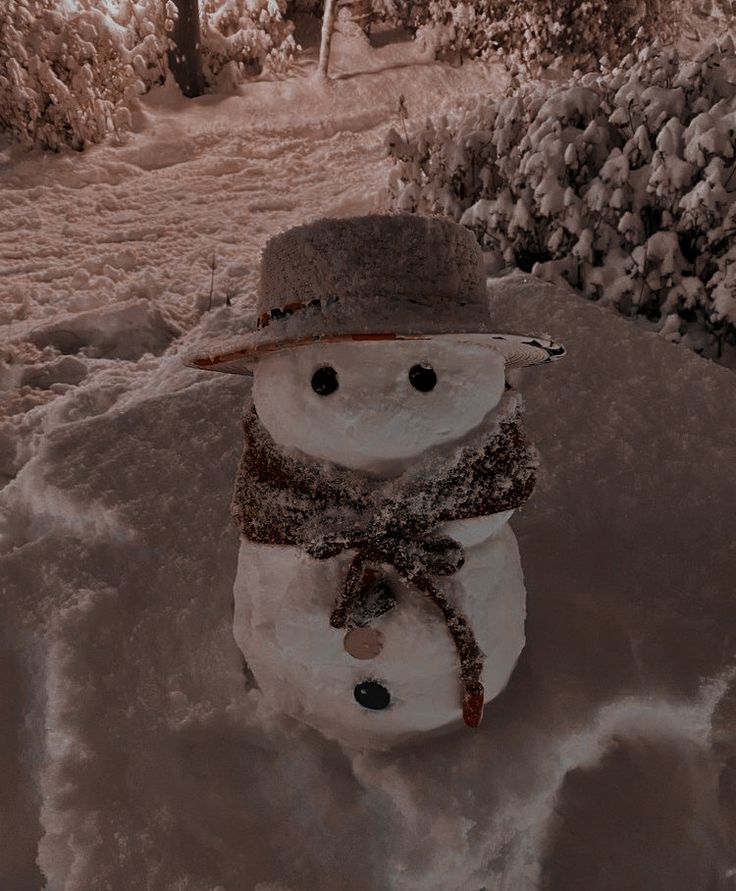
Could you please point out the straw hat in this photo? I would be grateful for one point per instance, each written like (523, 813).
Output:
(379, 277)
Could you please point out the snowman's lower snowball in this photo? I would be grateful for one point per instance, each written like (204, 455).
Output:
(283, 598)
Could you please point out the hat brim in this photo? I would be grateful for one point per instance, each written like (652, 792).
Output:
(518, 350)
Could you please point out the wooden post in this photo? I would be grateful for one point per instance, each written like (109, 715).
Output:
(184, 57)
(328, 22)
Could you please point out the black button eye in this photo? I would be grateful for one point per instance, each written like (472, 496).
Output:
(324, 380)
(422, 378)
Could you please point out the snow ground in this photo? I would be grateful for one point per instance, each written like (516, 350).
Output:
(212, 177)
(134, 754)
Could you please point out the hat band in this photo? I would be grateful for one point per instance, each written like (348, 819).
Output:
(288, 309)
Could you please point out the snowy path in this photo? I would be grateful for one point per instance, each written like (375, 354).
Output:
(145, 219)
(214, 175)
(134, 229)
(214, 178)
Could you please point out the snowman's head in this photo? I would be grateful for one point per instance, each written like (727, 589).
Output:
(376, 406)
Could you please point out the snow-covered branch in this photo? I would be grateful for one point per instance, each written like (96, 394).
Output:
(622, 183)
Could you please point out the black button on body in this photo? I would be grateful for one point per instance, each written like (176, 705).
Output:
(371, 694)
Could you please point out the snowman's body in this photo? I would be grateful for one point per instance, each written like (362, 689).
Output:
(283, 600)
(283, 597)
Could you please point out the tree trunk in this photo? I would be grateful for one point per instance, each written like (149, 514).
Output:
(328, 23)
(184, 56)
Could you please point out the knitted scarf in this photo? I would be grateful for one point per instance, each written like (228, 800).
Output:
(326, 509)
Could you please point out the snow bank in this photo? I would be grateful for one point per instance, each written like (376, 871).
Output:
(124, 330)
(157, 763)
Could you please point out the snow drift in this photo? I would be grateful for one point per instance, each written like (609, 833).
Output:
(139, 755)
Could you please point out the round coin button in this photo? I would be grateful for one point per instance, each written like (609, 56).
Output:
(363, 643)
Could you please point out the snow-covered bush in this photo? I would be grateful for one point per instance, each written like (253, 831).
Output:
(245, 36)
(532, 34)
(623, 183)
(71, 72)
(535, 33)
(401, 13)
(69, 75)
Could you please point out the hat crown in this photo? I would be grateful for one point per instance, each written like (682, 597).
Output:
(378, 277)
(406, 263)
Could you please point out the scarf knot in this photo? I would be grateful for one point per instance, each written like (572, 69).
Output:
(428, 554)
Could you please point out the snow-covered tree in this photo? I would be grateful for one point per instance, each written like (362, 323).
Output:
(67, 75)
(622, 183)
(533, 34)
(242, 37)
(72, 73)
(328, 24)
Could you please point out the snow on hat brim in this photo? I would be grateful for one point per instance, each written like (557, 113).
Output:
(518, 350)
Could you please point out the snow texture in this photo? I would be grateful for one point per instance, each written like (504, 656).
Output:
(136, 749)
(132, 755)
(125, 330)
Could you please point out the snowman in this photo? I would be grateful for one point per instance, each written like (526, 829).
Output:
(379, 594)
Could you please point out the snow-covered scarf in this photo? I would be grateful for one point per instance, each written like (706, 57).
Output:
(326, 509)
